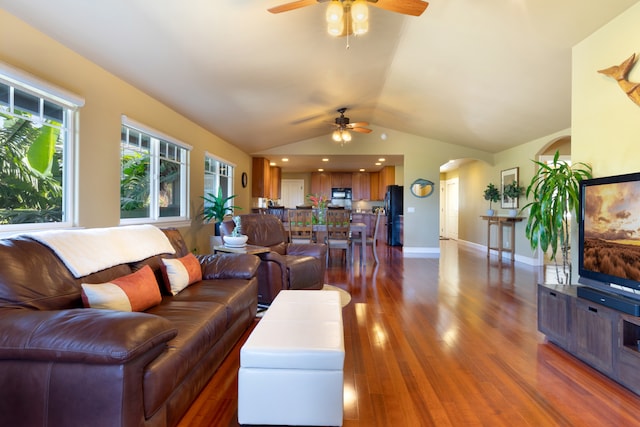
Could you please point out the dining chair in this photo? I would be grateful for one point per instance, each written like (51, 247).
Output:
(339, 232)
(300, 226)
(370, 240)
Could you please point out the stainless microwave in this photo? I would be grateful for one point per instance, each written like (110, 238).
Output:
(341, 193)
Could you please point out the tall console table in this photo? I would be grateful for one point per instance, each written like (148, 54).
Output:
(501, 222)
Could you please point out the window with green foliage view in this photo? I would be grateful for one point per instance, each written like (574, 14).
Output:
(154, 177)
(34, 134)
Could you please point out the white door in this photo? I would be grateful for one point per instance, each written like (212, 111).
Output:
(451, 211)
(292, 192)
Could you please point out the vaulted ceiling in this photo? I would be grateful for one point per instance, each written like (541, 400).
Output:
(486, 74)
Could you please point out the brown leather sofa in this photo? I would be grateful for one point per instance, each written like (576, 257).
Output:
(65, 365)
(287, 265)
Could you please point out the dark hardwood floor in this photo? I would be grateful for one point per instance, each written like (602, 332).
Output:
(449, 341)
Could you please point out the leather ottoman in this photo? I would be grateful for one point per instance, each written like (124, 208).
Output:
(291, 366)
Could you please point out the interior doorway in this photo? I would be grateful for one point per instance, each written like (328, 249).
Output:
(449, 209)
(292, 192)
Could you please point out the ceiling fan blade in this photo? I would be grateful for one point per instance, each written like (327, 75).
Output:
(293, 5)
(361, 130)
(406, 7)
(357, 124)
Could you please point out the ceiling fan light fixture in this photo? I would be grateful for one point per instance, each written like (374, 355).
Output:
(335, 18)
(337, 137)
(346, 136)
(359, 11)
(360, 28)
(334, 12)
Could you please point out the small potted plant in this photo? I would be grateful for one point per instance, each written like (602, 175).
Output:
(511, 193)
(236, 239)
(216, 207)
(492, 194)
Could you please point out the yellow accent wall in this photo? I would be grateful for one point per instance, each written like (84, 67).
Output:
(98, 137)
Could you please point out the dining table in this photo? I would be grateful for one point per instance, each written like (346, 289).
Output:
(355, 227)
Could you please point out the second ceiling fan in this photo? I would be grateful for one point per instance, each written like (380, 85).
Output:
(343, 126)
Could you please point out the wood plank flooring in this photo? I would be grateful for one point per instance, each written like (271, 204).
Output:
(449, 341)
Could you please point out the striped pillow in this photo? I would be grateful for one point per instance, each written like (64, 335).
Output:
(181, 272)
(134, 292)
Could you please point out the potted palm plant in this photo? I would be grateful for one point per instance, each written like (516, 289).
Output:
(492, 194)
(555, 189)
(216, 207)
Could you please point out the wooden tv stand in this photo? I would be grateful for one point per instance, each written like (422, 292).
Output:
(602, 337)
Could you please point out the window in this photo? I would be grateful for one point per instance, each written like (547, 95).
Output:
(154, 176)
(218, 174)
(36, 153)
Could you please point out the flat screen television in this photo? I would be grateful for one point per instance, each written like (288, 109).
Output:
(609, 234)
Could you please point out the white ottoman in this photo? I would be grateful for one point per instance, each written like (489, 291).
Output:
(291, 367)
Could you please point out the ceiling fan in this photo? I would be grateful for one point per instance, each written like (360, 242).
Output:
(355, 11)
(406, 7)
(343, 126)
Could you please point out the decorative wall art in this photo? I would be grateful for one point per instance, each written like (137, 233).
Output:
(422, 187)
(620, 73)
(508, 177)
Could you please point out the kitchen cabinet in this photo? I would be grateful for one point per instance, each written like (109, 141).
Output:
(361, 186)
(341, 180)
(276, 182)
(374, 186)
(261, 178)
(321, 183)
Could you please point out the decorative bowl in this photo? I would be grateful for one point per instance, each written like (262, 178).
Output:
(235, 241)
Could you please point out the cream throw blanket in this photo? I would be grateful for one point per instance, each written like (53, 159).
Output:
(93, 249)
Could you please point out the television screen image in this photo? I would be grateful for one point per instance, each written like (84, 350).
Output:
(610, 231)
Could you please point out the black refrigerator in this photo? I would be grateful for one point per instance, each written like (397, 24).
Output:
(393, 210)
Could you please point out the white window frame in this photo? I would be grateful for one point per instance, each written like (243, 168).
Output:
(154, 217)
(26, 82)
(216, 176)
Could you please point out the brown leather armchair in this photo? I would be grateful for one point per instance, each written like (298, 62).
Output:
(287, 265)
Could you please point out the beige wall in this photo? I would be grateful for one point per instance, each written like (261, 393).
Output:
(606, 123)
(106, 99)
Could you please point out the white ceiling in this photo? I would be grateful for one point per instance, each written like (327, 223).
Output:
(486, 74)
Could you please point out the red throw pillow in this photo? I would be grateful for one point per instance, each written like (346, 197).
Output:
(134, 292)
(180, 272)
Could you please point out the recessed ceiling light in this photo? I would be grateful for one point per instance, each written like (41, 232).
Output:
(320, 170)
(378, 164)
(272, 163)
(382, 159)
(325, 160)
(284, 159)
(361, 169)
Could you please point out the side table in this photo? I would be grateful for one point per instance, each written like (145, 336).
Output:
(248, 249)
(500, 222)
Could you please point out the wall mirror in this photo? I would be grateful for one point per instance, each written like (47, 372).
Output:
(422, 187)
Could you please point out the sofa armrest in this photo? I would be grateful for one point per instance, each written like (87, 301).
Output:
(228, 266)
(88, 335)
(317, 250)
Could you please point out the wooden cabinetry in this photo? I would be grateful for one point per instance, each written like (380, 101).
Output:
(341, 180)
(276, 182)
(361, 186)
(266, 180)
(380, 180)
(321, 183)
(374, 186)
(261, 178)
(604, 338)
(594, 334)
(554, 315)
